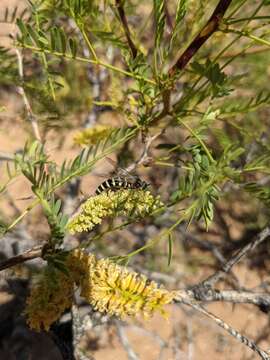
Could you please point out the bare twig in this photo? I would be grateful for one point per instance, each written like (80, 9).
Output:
(252, 51)
(246, 297)
(155, 336)
(243, 339)
(210, 27)
(124, 341)
(263, 335)
(166, 97)
(213, 279)
(208, 246)
(35, 252)
(144, 156)
(78, 329)
(185, 299)
(77, 326)
(202, 244)
(123, 19)
(30, 115)
(196, 293)
(232, 296)
(4, 156)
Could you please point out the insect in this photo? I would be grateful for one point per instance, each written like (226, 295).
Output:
(119, 182)
(123, 181)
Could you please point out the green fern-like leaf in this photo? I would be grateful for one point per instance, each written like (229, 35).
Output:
(259, 191)
(180, 14)
(159, 13)
(240, 106)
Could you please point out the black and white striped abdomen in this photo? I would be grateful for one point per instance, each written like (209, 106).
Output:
(120, 183)
(112, 184)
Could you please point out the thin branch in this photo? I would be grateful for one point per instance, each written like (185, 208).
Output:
(4, 156)
(166, 98)
(89, 44)
(35, 252)
(30, 115)
(245, 297)
(198, 138)
(218, 56)
(213, 279)
(90, 61)
(252, 51)
(183, 298)
(211, 26)
(144, 156)
(263, 335)
(144, 332)
(231, 296)
(78, 330)
(123, 19)
(248, 35)
(202, 244)
(236, 334)
(124, 341)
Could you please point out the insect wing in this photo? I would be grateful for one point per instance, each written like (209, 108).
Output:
(122, 173)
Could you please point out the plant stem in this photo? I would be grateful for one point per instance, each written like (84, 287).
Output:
(78, 58)
(211, 26)
(89, 45)
(235, 21)
(248, 35)
(123, 19)
(197, 138)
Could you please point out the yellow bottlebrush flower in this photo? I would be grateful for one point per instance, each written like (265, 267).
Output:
(108, 287)
(93, 135)
(118, 291)
(48, 299)
(126, 202)
(80, 264)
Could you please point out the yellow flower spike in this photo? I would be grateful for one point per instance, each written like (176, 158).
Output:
(108, 287)
(126, 282)
(48, 299)
(126, 202)
(93, 135)
(141, 285)
(116, 290)
(79, 263)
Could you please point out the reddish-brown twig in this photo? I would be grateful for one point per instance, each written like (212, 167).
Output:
(211, 26)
